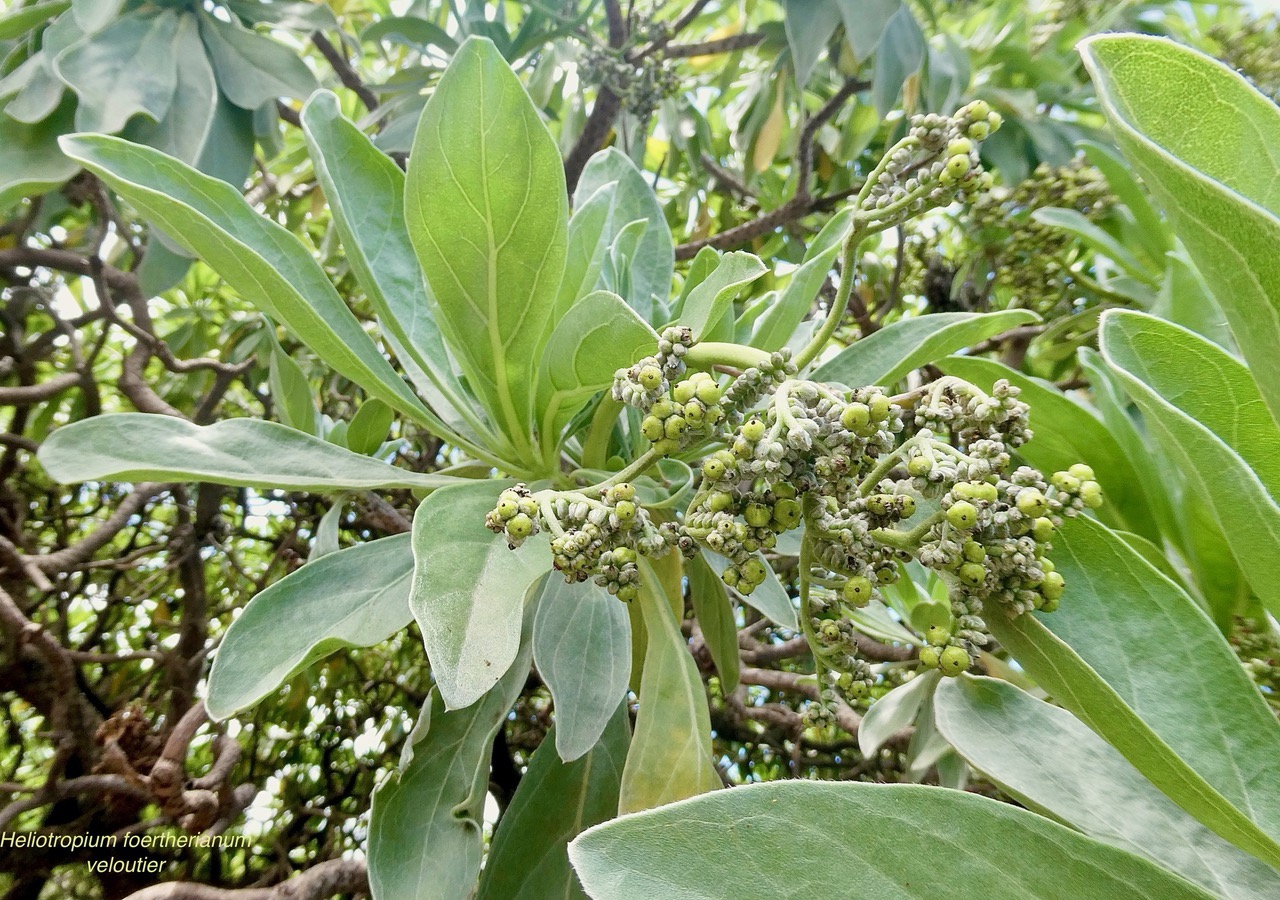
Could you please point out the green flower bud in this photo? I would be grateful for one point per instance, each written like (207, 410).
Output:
(651, 428)
(520, 527)
(857, 591)
(1081, 471)
(855, 417)
(962, 515)
(1091, 494)
(930, 657)
(1032, 503)
(973, 574)
(954, 661)
(650, 377)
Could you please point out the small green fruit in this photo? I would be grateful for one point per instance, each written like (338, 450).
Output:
(919, 467)
(960, 147)
(937, 636)
(1053, 585)
(1081, 471)
(1091, 494)
(954, 661)
(719, 501)
(857, 591)
(1042, 530)
(754, 571)
(708, 392)
(675, 426)
(663, 408)
(731, 576)
(506, 509)
(973, 574)
(684, 391)
(1065, 482)
(625, 510)
(962, 515)
(753, 430)
(906, 506)
(856, 416)
(787, 513)
(974, 552)
(1032, 503)
(930, 657)
(651, 428)
(713, 469)
(879, 408)
(650, 378)
(520, 527)
(758, 515)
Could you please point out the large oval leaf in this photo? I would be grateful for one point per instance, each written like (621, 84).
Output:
(885, 356)
(487, 211)
(240, 452)
(806, 839)
(356, 597)
(469, 590)
(262, 260)
(1049, 761)
(1135, 659)
(1207, 145)
(582, 648)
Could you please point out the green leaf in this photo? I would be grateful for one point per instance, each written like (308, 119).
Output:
(864, 24)
(296, 15)
(252, 68)
(895, 711)
(1210, 416)
(30, 160)
(856, 840)
(587, 244)
(714, 611)
(291, 392)
(1048, 761)
(653, 262)
(185, 129)
(556, 801)
(486, 210)
(241, 452)
(809, 25)
(93, 15)
(1066, 433)
(469, 590)
(780, 321)
(706, 303)
(769, 599)
(426, 840)
(670, 756)
(582, 648)
(1184, 298)
(128, 68)
(1074, 222)
(417, 31)
(356, 597)
(19, 22)
(1155, 235)
(263, 261)
(1136, 660)
(900, 54)
(597, 336)
(365, 191)
(1207, 145)
(369, 427)
(886, 356)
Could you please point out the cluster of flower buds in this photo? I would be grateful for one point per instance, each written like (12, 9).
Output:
(592, 537)
(649, 380)
(935, 164)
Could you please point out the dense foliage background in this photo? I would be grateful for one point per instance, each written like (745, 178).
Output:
(753, 121)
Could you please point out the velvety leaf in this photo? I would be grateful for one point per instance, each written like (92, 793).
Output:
(810, 25)
(369, 427)
(556, 801)
(297, 15)
(1135, 659)
(885, 356)
(1065, 433)
(262, 260)
(469, 590)
(486, 210)
(242, 452)
(1206, 408)
(779, 322)
(806, 839)
(30, 160)
(895, 711)
(769, 599)
(714, 611)
(654, 259)
(365, 191)
(1049, 761)
(587, 244)
(252, 68)
(1207, 145)
(426, 840)
(707, 302)
(412, 30)
(16, 23)
(597, 336)
(290, 391)
(185, 129)
(670, 755)
(356, 597)
(582, 648)
(1155, 235)
(1076, 223)
(899, 55)
(128, 68)
(92, 15)
(864, 23)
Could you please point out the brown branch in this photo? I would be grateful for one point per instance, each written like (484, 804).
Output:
(343, 70)
(336, 876)
(796, 683)
(605, 111)
(34, 393)
(709, 48)
(680, 24)
(70, 557)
